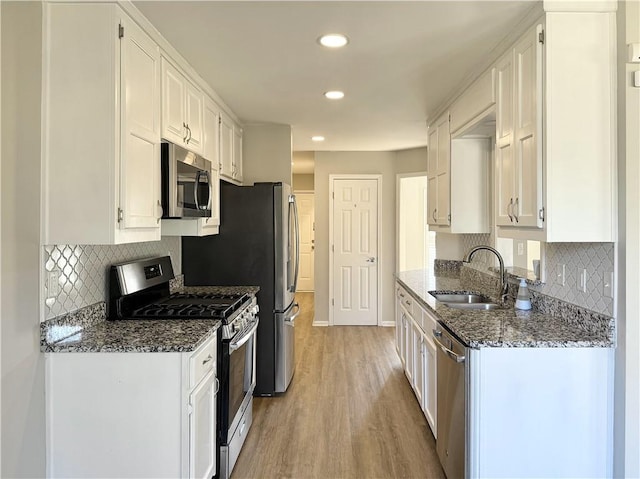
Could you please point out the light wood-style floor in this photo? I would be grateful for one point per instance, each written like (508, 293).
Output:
(348, 413)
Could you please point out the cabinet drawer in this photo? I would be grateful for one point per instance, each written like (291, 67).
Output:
(202, 361)
(406, 300)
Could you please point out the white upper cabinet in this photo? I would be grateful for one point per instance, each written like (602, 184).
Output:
(101, 109)
(182, 109)
(555, 137)
(226, 146)
(458, 179)
(230, 149)
(438, 164)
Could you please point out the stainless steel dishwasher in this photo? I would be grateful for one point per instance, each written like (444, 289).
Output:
(452, 366)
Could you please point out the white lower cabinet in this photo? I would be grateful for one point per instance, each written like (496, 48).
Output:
(133, 414)
(417, 351)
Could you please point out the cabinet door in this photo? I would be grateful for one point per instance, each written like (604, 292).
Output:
(408, 350)
(432, 157)
(417, 362)
(237, 153)
(211, 149)
(194, 101)
(505, 168)
(173, 104)
(398, 313)
(443, 172)
(527, 130)
(140, 165)
(432, 201)
(429, 372)
(202, 429)
(226, 146)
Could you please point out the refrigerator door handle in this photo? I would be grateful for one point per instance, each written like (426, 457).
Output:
(293, 317)
(297, 233)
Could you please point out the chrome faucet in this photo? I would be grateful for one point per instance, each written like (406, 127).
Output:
(504, 286)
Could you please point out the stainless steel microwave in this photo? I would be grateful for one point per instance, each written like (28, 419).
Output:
(186, 183)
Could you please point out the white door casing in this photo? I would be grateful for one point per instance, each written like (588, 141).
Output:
(307, 242)
(354, 270)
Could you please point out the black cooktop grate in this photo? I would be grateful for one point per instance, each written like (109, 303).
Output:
(193, 305)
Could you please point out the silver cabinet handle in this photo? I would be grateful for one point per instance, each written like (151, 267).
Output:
(457, 358)
(407, 302)
(217, 387)
(189, 133)
(515, 209)
(433, 215)
(509, 210)
(208, 359)
(184, 125)
(159, 208)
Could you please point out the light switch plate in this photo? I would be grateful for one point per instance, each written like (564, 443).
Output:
(560, 274)
(582, 280)
(53, 283)
(607, 280)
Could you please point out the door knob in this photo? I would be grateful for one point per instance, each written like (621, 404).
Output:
(371, 259)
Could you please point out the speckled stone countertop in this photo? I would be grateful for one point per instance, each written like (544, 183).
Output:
(501, 327)
(88, 331)
(137, 336)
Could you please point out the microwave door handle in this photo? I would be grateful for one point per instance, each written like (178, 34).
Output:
(195, 190)
(208, 177)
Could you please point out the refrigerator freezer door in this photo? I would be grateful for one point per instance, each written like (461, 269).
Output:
(285, 347)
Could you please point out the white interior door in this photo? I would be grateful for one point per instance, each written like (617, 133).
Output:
(355, 252)
(307, 222)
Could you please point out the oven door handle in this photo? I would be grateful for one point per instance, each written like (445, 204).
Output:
(245, 337)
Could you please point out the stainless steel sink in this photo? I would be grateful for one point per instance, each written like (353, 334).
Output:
(459, 298)
(475, 306)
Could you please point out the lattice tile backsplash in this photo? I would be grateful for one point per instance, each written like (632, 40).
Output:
(596, 258)
(84, 270)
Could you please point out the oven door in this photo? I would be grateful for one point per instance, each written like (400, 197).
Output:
(242, 373)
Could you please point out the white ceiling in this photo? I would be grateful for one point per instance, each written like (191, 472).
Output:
(403, 60)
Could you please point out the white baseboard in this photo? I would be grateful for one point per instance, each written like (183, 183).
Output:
(320, 323)
(388, 324)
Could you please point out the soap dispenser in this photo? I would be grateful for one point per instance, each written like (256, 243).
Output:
(523, 300)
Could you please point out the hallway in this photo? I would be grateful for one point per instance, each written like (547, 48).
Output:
(348, 413)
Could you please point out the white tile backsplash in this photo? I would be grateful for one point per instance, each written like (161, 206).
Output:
(84, 270)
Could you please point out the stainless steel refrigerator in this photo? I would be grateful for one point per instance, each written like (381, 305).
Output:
(258, 245)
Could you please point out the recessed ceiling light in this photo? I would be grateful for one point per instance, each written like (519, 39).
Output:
(333, 40)
(334, 95)
(317, 138)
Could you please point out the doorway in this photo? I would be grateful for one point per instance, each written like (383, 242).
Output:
(354, 232)
(413, 240)
(306, 215)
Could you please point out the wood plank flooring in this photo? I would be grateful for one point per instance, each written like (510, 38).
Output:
(348, 413)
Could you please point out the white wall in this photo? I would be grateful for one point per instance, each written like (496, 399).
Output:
(627, 380)
(266, 150)
(23, 414)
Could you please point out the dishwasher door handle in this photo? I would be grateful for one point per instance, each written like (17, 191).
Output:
(456, 357)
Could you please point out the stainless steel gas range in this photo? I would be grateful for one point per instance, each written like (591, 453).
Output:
(140, 290)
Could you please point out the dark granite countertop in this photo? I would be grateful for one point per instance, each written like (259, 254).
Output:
(499, 327)
(88, 331)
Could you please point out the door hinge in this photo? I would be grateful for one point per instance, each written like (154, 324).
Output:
(541, 213)
(120, 215)
(449, 218)
(333, 195)
(541, 37)
(333, 302)
(120, 31)
(333, 249)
